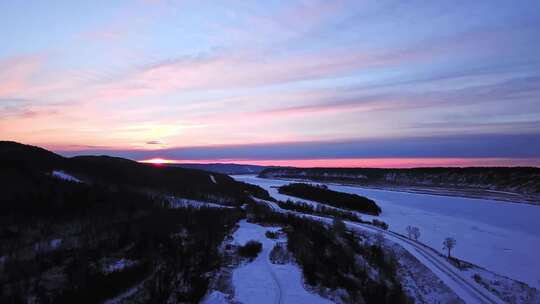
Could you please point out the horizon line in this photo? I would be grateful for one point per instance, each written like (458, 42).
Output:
(386, 163)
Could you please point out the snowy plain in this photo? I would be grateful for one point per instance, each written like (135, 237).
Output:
(502, 237)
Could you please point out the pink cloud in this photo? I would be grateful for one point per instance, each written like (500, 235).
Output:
(16, 74)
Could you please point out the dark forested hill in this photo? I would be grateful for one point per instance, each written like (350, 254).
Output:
(66, 222)
(115, 172)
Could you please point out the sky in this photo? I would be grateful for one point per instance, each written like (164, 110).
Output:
(307, 83)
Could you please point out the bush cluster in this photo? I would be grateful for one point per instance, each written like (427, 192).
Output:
(251, 249)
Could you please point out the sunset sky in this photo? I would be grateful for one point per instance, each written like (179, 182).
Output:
(309, 83)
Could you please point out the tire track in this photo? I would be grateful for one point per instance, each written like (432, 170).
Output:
(275, 278)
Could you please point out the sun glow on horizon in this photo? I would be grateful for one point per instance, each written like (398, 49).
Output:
(157, 161)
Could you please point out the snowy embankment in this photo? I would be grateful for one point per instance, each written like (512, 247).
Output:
(261, 281)
(65, 176)
(502, 237)
(178, 202)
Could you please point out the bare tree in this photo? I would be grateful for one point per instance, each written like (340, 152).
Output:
(413, 232)
(339, 226)
(448, 244)
(409, 230)
(416, 233)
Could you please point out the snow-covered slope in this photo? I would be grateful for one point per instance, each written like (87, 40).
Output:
(178, 202)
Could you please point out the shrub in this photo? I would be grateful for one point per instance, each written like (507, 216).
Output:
(271, 235)
(251, 249)
(380, 224)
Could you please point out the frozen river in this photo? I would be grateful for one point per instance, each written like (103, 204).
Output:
(500, 236)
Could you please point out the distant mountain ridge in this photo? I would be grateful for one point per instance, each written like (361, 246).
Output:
(225, 168)
(523, 180)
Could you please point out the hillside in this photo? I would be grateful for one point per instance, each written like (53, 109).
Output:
(520, 180)
(118, 172)
(86, 229)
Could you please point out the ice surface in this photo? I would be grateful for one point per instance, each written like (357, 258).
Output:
(502, 237)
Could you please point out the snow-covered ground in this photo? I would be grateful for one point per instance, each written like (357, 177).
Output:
(260, 281)
(63, 175)
(499, 236)
(215, 297)
(509, 290)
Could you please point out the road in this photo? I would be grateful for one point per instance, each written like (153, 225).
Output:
(462, 285)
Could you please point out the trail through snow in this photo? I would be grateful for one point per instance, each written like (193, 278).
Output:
(260, 281)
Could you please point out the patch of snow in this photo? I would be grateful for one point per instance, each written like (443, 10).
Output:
(270, 204)
(177, 202)
(55, 243)
(63, 175)
(216, 297)
(125, 295)
(117, 265)
(260, 281)
(213, 179)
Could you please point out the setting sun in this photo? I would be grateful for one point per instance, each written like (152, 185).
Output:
(157, 161)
